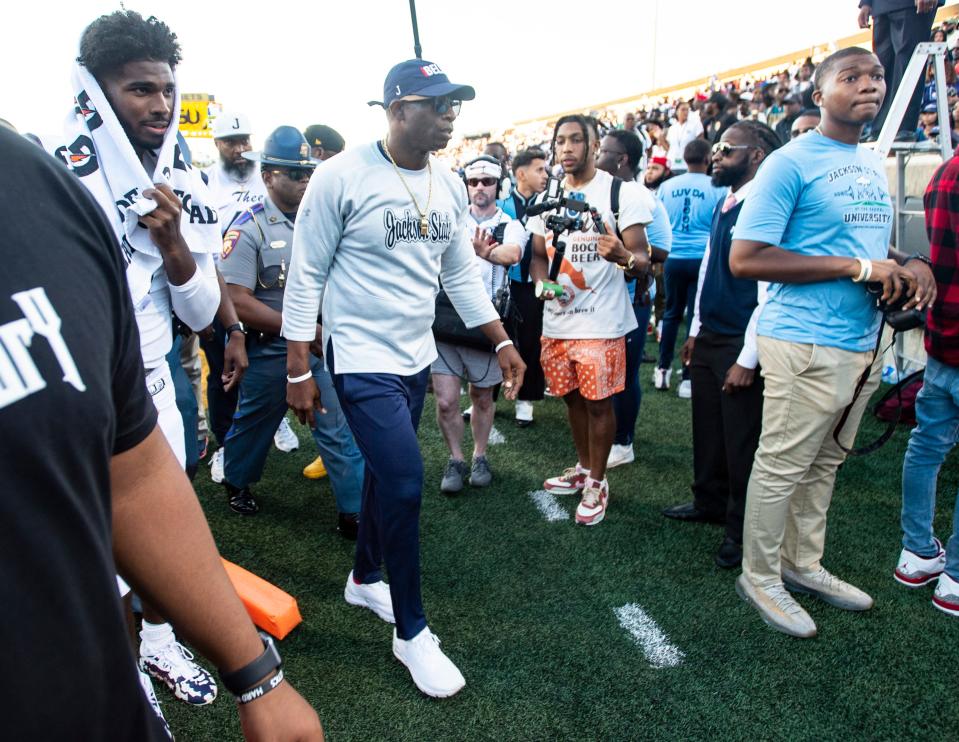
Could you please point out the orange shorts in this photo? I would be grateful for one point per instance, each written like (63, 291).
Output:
(596, 367)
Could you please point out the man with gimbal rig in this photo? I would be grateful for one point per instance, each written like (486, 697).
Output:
(588, 312)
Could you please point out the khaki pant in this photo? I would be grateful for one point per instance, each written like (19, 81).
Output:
(807, 387)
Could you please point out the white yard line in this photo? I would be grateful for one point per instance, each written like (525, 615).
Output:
(548, 506)
(655, 644)
(495, 437)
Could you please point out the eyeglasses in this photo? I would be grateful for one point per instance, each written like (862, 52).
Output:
(473, 182)
(441, 105)
(724, 148)
(296, 174)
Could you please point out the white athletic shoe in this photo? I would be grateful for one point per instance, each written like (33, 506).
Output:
(685, 390)
(661, 377)
(619, 455)
(375, 596)
(284, 438)
(524, 412)
(916, 571)
(216, 466)
(946, 596)
(432, 671)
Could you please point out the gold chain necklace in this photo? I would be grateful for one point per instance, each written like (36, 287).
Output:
(424, 226)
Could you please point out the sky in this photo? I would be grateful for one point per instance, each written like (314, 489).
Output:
(289, 62)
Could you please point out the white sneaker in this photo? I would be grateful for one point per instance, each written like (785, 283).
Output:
(619, 455)
(524, 411)
(946, 596)
(375, 596)
(284, 438)
(148, 691)
(685, 390)
(661, 377)
(432, 671)
(216, 466)
(174, 665)
(913, 570)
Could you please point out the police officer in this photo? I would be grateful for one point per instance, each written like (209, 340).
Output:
(254, 263)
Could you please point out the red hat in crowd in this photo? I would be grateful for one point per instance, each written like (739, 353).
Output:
(660, 161)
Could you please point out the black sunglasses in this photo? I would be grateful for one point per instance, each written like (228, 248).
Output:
(723, 149)
(441, 105)
(296, 174)
(473, 182)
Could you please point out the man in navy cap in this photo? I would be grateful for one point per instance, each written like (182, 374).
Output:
(378, 227)
(255, 262)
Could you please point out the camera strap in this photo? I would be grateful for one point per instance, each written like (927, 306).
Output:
(890, 426)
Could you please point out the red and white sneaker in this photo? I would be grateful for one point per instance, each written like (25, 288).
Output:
(571, 481)
(913, 570)
(592, 508)
(946, 596)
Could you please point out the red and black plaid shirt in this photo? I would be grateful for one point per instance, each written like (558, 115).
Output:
(942, 224)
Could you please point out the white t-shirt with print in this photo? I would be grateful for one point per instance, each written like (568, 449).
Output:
(595, 302)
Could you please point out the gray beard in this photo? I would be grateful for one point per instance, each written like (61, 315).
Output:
(241, 170)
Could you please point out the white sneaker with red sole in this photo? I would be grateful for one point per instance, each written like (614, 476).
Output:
(570, 482)
(916, 571)
(946, 597)
(592, 508)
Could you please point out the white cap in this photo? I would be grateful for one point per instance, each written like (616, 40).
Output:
(230, 124)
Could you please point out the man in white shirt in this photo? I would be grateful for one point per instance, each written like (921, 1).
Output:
(497, 241)
(377, 227)
(586, 322)
(727, 398)
(234, 181)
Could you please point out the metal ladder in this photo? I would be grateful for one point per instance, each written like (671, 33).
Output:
(909, 350)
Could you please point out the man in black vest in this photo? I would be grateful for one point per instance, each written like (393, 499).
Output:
(721, 353)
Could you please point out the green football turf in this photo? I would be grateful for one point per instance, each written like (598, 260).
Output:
(525, 607)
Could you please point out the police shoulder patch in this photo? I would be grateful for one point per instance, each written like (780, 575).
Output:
(247, 215)
(229, 242)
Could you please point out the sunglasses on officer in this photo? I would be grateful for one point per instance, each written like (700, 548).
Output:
(441, 105)
(473, 182)
(724, 149)
(296, 174)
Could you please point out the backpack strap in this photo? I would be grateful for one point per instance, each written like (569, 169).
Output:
(614, 190)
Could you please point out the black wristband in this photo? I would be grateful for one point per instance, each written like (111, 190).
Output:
(261, 690)
(919, 257)
(240, 680)
(235, 327)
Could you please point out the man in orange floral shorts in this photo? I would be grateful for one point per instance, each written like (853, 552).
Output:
(584, 350)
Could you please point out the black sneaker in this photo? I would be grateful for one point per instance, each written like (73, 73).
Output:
(347, 525)
(480, 473)
(241, 500)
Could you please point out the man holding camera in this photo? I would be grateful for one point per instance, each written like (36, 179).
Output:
(817, 227)
(923, 559)
(498, 242)
(589, 313)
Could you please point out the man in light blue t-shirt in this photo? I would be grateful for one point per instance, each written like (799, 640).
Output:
(817, 227)
(690, 200)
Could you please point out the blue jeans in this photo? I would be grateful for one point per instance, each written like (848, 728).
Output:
(626, 403)
(262, 404)
(937, 417)
(384, 412)
(680, 276)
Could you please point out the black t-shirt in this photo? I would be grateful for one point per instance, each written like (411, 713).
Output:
(72, 394)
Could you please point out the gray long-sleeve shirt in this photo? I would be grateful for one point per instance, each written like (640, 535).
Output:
(357, 246)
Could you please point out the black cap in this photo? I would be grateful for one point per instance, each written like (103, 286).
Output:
(321, 135)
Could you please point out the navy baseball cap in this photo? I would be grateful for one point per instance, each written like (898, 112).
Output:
(419, 77)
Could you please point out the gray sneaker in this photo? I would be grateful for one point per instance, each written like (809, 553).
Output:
(480, 474)
(453, 476)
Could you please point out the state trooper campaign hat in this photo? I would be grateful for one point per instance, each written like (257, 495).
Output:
(285, 147)
(231, 124)
(417, 77)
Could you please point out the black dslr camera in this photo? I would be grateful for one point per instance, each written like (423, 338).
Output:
(899, 319)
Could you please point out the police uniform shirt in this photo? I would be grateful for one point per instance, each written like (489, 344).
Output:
(256, 254)
(231, 195)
